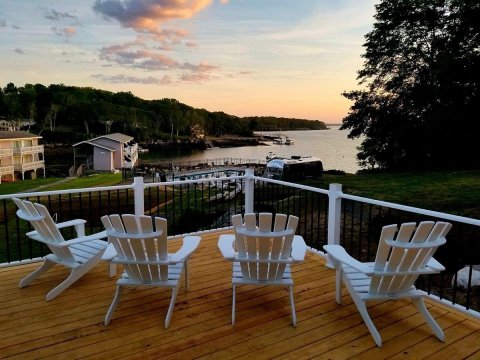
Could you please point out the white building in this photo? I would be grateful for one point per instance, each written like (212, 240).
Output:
(21, 156)
(108, 152)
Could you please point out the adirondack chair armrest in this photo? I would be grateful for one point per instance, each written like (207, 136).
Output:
(338, 254)
(79, 240)
(109, 253)
(225, 244)
(299, 248)
(79, 225)
(70, 223)
(190, 244)
(435, 265)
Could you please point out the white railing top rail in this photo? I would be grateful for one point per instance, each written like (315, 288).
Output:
(194, 181)
(412, 209)
(289, 184)
(69, 191)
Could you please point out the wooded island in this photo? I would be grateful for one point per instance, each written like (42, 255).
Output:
(69, 114)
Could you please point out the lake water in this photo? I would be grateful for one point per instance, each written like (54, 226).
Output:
(332, 147)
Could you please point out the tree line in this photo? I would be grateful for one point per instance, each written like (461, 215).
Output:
(68, 114)
(417, 106)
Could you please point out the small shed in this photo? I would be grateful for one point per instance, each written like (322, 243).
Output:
(107, 152)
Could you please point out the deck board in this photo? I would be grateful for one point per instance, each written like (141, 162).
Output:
(71, 326)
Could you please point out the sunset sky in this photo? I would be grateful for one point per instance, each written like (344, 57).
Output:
(289, 58)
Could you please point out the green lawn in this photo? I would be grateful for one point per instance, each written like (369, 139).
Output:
(454, 192)
(48, 184)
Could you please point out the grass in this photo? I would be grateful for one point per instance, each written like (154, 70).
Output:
(454, 192)
(50, 184)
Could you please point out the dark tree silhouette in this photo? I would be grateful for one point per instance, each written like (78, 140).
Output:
(420, 86)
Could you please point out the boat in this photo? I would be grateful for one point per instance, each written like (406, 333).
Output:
(278, 140)
(289, 141)
(271, 155)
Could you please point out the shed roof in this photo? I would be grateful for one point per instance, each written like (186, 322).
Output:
(93, 143)
(121, 138)
(117, 137)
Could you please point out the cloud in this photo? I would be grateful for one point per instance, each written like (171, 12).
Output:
(68, 32)
(16, 27)
(152, 21)
(191, 44)
(148, 15)
(223, 2)
(55, 15)
(195, 77)
(150, 80)
(19, 51)
(140, 58)
(136, 55)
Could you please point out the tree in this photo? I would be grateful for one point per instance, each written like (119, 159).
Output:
(418, 107)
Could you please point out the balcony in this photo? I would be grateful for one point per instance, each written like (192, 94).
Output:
(5, 170)
(32, 165)
(29, 150)
(6, 152)
(131, 156)
(71, 326)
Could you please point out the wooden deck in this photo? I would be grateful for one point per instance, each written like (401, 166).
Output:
(71, 326)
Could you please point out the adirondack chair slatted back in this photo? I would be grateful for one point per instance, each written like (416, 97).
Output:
(41, 220)
(265, 250)
(406, 256)
(125, 233)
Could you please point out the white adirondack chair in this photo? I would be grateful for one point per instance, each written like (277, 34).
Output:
(398, 264)
(79, 254)
(143, 252)
(261, 256)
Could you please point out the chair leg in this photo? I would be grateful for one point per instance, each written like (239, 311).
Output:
(420, 304)
(172, 305)
(112, 270)
(187, 280)
(338, 282)
(292, 305)
(47, 264)
(113, 305)
(233, 304)
(75, 274)
(362, 309)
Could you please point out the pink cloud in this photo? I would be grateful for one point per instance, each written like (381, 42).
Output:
(137, 58)
(149, 19)
(148, 15)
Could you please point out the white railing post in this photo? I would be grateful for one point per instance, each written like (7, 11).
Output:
(249, 190)
(138, 195)
(334, 213)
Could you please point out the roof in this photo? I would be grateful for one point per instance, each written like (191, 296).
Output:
(6, 135)
(93, 143)
(117, 137)
(121, 138)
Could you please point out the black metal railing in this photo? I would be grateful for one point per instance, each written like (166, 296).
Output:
(311, 207)
(90, 206)
(195, 206)
(361, 224)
